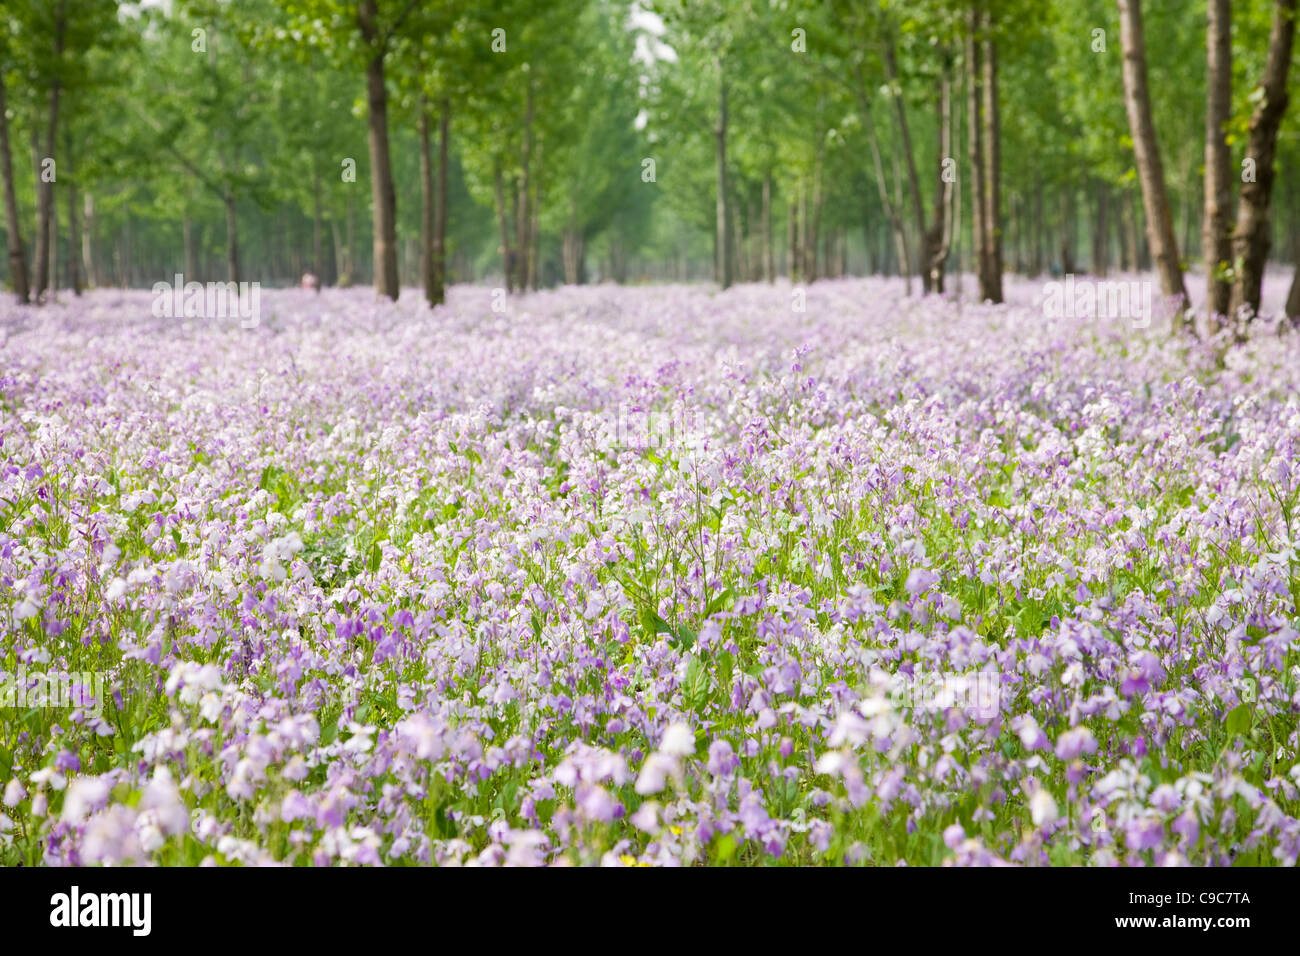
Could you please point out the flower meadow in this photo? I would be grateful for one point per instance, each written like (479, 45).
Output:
(646, 576)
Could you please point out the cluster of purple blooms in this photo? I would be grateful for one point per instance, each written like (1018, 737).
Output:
(906, 580)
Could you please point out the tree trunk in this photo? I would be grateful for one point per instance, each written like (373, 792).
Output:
(1216, 235)
(507, 259)
(1146, 150)
(383, 194)
(991, 284)
(340, 255)
(426, 206)
(74, 241)
(440, 209)
(87, 239)
(939, 236)
(573, 253)
(1251, 239)
(232, 239)
(535, 227)
(317, 245)
(522, 216)
(723, 263)
(909, 160)
(792, 240)
(975, 136)
(769, 272)
(1101, 228)
(351, 276)
(191, 252)
(811, 267)
(13, 233)
(45, 190)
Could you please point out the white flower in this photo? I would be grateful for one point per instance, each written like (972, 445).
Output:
(655, 773)
(678, 741)
(85, 795)
(1042, 809)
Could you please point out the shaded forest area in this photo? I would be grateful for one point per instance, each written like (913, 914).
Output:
(424, 142)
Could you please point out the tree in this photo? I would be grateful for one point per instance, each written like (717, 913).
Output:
(1146, 149)
(13, 229)
(1216, 239)
(1250, 239)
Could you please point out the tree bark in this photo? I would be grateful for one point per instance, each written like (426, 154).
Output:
(45, 190)
(1146, 149)
(811, 265)
(87, 238)
(1251, 239)
(74, 241)
(1216, 234)
(723, 263)
(13, 233)
(383, 194)
(991, 284)
(939, 236)
(769, 273)
(1101, 228)
(191, 252)
(975, 136)
(426, 206)
(535, 227)
(232, 239)
(522, 216)
(792, 240)
(317, 245)
(909, 160)
(440, 209)
(507, 259)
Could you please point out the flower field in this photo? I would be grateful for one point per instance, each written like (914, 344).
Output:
(645, 576)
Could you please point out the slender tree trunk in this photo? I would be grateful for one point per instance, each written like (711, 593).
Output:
(792, 240)
(1251, 239)
(74, 242)
(232, 239)
(815, 225)
(1146, 149)
(191, 250)
(769, 272)
(507, 258)
(44, 189)
(535, 227)
(426, 207)
(909, 159)
(1216, 236)
(128, 253)
(975, 139)
(890, 208)
(340, 254)
(723, 264)
(1101, 228)
(939, 236)
(317, 243)
(991, 286)
(13, 232)
(383, 193)
(440, 208)
(522, 215)
(87, 238)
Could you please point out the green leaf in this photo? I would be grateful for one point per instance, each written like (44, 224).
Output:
(1239, 720)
